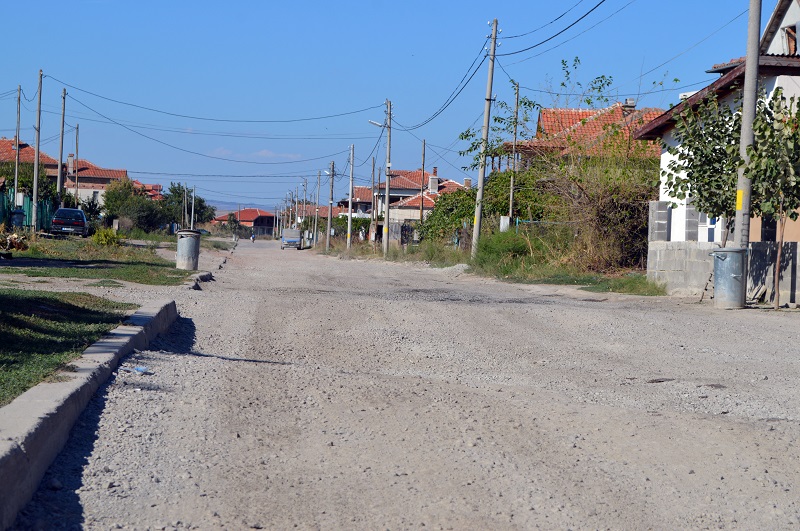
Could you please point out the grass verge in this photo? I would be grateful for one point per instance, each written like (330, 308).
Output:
(83, 258)
(41, 332)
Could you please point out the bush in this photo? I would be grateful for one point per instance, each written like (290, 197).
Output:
(105, 237)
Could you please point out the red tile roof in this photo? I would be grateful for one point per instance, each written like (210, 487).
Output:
(27, 153)
(362, 194)
(408, 179)
(88, 169)
(428, 198)
(565, 131)
(246, 215)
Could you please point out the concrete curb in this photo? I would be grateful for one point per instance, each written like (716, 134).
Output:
(36, 425)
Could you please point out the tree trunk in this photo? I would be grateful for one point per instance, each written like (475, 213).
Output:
(778, 256)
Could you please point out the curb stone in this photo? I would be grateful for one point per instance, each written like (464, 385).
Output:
(36, 425)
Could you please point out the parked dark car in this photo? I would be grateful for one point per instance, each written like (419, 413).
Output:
(69, 221)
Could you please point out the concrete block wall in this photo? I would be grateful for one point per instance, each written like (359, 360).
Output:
(684, 267)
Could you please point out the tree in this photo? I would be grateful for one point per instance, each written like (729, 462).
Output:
(774, 166)
(117, 194)
(173, 205)
(46, 187)
(706, 158)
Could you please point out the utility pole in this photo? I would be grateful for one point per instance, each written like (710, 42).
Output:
(305, 198)
(743, 184)
(350, 199)
(388, 178)
(316, 209)
(194, 190)
(77, 197)
(372, 214)
(476, 229)
(34, 210)
(514, 153)
(16, 146)
(60, 179)
(330, 212)
(422, 183)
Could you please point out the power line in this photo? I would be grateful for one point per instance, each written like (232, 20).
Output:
(197, 153)
(456, 91)
(215, 119)
(601, 2)
(559, 17)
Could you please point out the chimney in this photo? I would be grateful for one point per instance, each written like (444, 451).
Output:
(629, 106)
(70, 164)
(467, 182)
(433, 183)
(435, 171)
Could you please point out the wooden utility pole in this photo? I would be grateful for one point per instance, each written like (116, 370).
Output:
(513, 153)
(60, 179)
(422, 183)
(330, 212)
(487, 109)
(350, 198)
(35, 209)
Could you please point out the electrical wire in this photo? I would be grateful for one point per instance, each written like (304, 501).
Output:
(601, 2)
(207, 119)
(373, 148)
(456, 91)
(195, 152)
(559, 17)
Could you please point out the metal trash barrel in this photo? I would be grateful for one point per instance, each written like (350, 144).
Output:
(188, 250)
(730, 282)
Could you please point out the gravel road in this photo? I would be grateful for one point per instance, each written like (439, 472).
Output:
(302, 391)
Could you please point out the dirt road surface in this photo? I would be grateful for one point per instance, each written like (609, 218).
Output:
(303, 391)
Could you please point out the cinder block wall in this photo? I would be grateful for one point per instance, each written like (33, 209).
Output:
(684, 267)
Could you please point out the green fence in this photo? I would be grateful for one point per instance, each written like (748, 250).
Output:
(44, 215)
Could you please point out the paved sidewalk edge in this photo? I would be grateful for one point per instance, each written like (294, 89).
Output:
(36, 425)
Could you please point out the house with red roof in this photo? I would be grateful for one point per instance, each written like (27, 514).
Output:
(91, 180)
(261, 221)
(87, 180)
(410, 208)
(154, 192)
(681, 237)
(589, 132)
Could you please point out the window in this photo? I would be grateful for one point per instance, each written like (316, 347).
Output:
(791, 40)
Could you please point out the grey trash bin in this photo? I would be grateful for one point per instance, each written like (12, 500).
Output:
(729, 278)
(188, 250)
(17, 217)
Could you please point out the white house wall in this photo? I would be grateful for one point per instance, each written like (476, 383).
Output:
(779, 44)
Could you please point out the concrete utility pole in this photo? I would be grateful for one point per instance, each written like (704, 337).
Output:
(16, 148)
(487, 109)
(194, 190)
(35, 209)
(388, 178)
(743, 185)
(513, 153)
(60, 179)
(77, 197)
(330, 213)
(422, 182)
(372, 207)
(316, 208)
(350, 198)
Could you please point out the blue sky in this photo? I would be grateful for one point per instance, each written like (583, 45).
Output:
(259, 72)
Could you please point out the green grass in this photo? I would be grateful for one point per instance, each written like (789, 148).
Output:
(105, 283)
(74, 258)
(41, 332)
